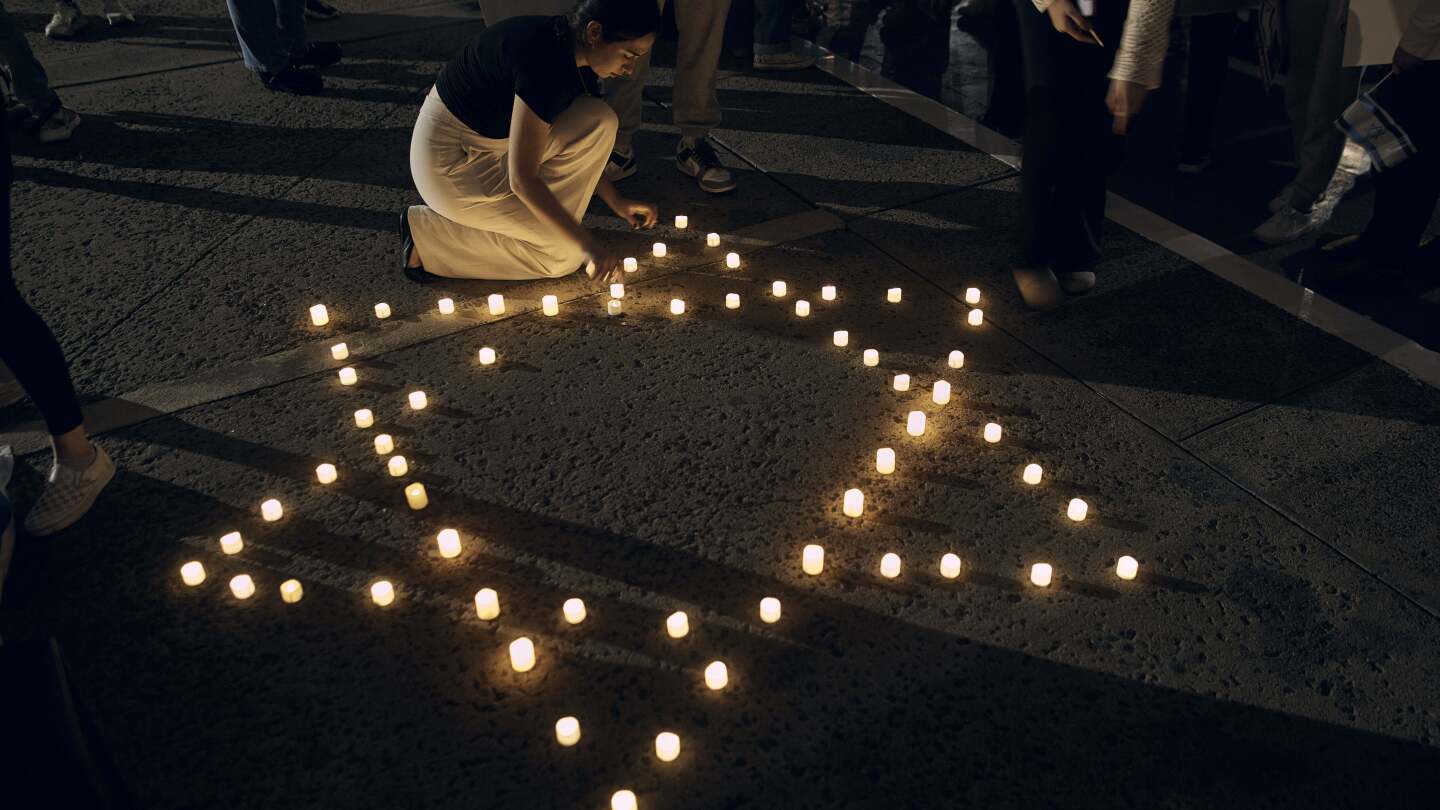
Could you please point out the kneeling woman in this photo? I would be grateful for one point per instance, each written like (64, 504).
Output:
(512, 142)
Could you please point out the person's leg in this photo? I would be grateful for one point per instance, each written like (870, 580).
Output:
(1328, 87)
(772, 26)
(290, 22)
(701, 24)
(1210, 37)
(257, 28)
(1043, 160)
(624, 97)
(1405, 196)
(30, 84)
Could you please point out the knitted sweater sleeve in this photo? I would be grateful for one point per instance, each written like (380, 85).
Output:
(1141, 55)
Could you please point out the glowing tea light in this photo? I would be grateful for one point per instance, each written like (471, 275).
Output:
(712, 240)
(941, 392)
(398, 466)
(956, 359)
(732, 260)
(487, 603)
(624, 800)
(802, 308)
(1032, 474)
(630, 264)
(291, 591)
(677, 306)
(732, 300)
(271, 510)
(242, 586)
(1040, 574)
(574, 610)
(778, 289)
(319, 315)
(418, 400)
(382, 593)
(841, 338)
(677, 624)
(872, 357)
(854, 503)
(340, 351)
(364, 418)
(1127, 567)
(550, 305)
(567, 731)
(382, 310)
(617, 290)
(496, 303)
(885, 461)
(667, 746)
(384, 444)
(1077, 510)
(658, 249)
(902, 382)
(717, 675)
(915, 423)
(827, 292)
(446, 306)
(522, 654)
(192, 573)
(416, 497)
(893, 295)
(812, 560)
(348, 376)
(993, 432)
(326, 473)
(231, 542)
(487, 356)
(681, 222)
(769, 610)
(976, 317)
(613, 307)
(950, 566)
(972, 295)
(890, 565)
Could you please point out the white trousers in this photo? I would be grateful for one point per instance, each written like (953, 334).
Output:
(472, 225)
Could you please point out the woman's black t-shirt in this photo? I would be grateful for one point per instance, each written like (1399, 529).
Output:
(529, 57)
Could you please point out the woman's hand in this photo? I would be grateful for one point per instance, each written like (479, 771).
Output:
(604, 262)
(1124, 100)
(638, 214)
(1067, 19)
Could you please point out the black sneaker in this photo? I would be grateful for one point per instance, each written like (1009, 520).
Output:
(621, 166)
(316, 10)
(700, 162)
(293, 80)
(317, 54)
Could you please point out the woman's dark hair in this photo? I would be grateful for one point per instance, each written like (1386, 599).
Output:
(620, 20)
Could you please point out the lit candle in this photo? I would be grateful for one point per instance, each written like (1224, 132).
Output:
(1127, 567)
(777, 289)
(1077, 510)
(950, 566)
(915, 423)
(382, 310)
(242, 586)
(319, 315)
(885, 461)
(957, 359)
(271, 510)
(487, 603)
(348, 376)
(550, 305)
(446, 306)
(802, 308)
(667, 746)
(872, 357)
(398, 466)
(902, 382)
(677, 307)
(382, 593)
(631, 265)
(893, 295)
(522, 654)
(384, 445)
(677, 624)
(416, 497)
(976, 317)
(624, 800)
(732, 300)
(716, 675)
(617, 290)
(993, 432)
(613, 307)
(192, 573)
(972, 295)
(364, 418)
(732, 260)
(567, 731)
(291, 591)
(890, 565)
(828, 292)
(496, 302)
(854, 503)
(769, 610)
(1032, 474)
(232, 542)
(574, 610)
(487, 356)
(842, 338)
(326, 473)
(941, 392)
(681, 222)
(418, 400)
(1040, 574)
(812, 560)
(340, 351)
(658, 249)
(712, 239)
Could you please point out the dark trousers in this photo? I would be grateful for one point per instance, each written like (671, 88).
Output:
(1405, 196)
(1209, 61)
(26, 343)
(1069, 148)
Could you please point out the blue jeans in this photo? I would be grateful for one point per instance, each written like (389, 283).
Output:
(772, 26)
(270, 31)
(31, 86)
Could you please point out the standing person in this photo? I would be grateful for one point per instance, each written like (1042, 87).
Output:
(1211, 29)
(50, 120)
(1086, 77)
(772, 38)
(272, 40)
(696, 109)
(68, 19)
(511, 144)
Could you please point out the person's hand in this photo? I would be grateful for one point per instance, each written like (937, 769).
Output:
(1124, 100)
(1403, 60)
(1067, 19)
(604, 263)
(638, 214)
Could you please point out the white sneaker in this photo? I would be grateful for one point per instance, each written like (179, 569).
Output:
(69, 494)
(66, 23)
(116, 13)
(1285, 226)
(59, 126)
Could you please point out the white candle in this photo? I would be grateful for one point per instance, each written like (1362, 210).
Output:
(348, 376)
(613, 307)
(416, 497)
(446, 306)
(802, 308)
(778, 289)
(487, 356)
(842, 338)
(631, 265)
(1040, 574)
(326, 473)
(319, 315)
(658, 249)
(854, 503)
(902, 382)
(716, 675)
(340, 351)
(418, 400)
(915, 423)
(271, 510)
(677, 307)
(712, 239)
(382, 310)
(769, 610)
(624, 800)
(890, 565)
(567, 731)
(828, 292)
(941, 392)
(872, 357)
(242, 586)
(893, 295)
(487, 603)
(993, 432)
(398, 466)
(291, 591)
(1127, 567)
(732, 300)
(976, 317)
(496, 303)
(364, 418)
(885, 461)
(681, 222)
(812, 560)
(732, 260)
(617, 290)
(192, 573)
(972, 295)
(574, 610)
(550, 305)
(522, 654)
(957, 359)
(1077, 510)
(384, 445)
(382, 593)
(667, 746)
(677, 624)
(950, 566)
(232, 542)
(449, 542)
(1032, 474)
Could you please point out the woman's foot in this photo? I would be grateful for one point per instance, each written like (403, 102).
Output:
(410, 264)
(1080, 281)
(69, 494)
(1038, 287)
(66, 23)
